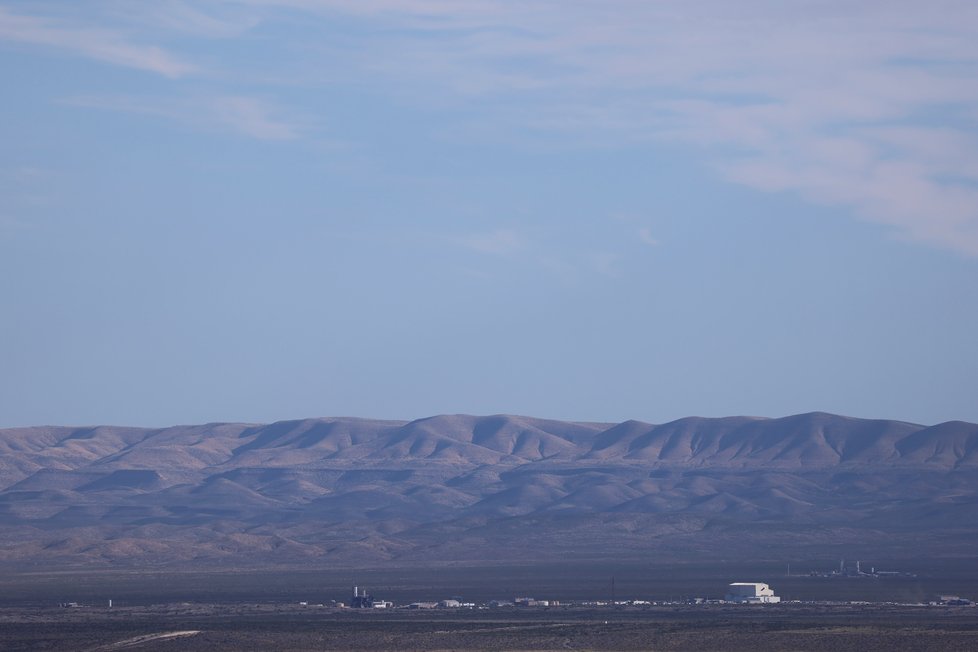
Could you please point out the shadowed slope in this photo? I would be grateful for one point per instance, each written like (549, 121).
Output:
(457, 487)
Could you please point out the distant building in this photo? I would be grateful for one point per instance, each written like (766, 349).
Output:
(361, 599)
(751, 593)
(450, 604)
(954, 601)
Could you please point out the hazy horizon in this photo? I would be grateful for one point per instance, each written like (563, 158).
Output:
(319, 417)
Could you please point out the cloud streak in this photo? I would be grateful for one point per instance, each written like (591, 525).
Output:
(869, 107)
(500, 242)
(645, 236)
(104, 45)
(248, 116)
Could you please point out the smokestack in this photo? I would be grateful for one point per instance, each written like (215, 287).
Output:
(858, 572)
(355, 594)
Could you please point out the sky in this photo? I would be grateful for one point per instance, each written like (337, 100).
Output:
(254, 210)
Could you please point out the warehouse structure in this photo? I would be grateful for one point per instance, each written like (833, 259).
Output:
(751, 593)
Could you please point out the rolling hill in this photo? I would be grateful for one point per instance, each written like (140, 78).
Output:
(459, 488)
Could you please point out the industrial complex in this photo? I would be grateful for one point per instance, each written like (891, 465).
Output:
(737, 593)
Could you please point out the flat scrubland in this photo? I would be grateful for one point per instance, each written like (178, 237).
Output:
(260, 610)
(563, 581)
(291, 627)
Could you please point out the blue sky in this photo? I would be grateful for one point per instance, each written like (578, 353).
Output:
(250, 210)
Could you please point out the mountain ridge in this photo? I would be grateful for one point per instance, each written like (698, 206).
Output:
(360, 490)
(805, 440)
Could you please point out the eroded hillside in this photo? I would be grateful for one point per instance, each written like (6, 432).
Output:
(464, 488)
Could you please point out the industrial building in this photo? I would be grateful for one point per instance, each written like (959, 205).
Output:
(751, 593)
(953, 601)
(361, 599)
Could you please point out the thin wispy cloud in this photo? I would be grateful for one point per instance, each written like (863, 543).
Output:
(218, 20)
(500, 242)
(645, 236)
(248, 116)
(100, 44)
(605, 263)
(869, 107)
(252, 117)
(779, 97)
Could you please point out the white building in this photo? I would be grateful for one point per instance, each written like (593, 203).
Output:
(750, 593)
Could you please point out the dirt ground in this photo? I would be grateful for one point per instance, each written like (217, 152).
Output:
(193, 627)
